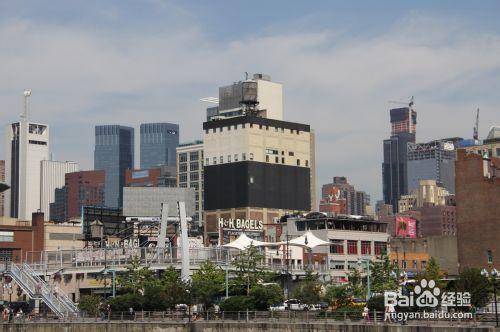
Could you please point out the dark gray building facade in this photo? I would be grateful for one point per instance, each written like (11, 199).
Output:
(158, 144)
(432, 161)
(114, 153)
(395, 165)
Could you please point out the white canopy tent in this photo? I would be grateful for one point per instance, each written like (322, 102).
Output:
(306, 240)
(243, 242)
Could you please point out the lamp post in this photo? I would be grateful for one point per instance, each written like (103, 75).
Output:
(368, 281)
(494, 274)
(227, 273)
(113, 280)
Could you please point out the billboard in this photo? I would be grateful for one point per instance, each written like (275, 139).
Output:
(406, 227)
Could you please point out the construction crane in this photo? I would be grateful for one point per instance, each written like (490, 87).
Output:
(410, 103)
(476, 127)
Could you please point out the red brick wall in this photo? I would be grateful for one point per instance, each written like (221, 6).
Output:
(477, 211)
(85, 187)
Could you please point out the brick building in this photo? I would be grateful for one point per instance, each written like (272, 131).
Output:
(84, 188)
(19, 236)
(340, 197)
(478, 210)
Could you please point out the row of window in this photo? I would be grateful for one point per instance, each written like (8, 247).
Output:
(193, 176)
(193, 166)
(337, 247)
(230, 159)
(251, 125)
(193, 156)
(414, 264)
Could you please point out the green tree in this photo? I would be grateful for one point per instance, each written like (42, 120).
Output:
(382, 277)
(249, 271)
(90, 304)
(338, 296)
(433, 272)
(471, 280)
(237, 303)
(126, 301)
(309, 290)
(135, 278)
(175, 290)
(264, 296)
(356, 285)
(207, 282)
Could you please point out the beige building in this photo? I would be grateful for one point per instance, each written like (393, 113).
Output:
(491, 144)
(256, 169)
(190, 173)
(428, 193)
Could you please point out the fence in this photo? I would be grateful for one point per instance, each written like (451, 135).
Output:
(290, 316)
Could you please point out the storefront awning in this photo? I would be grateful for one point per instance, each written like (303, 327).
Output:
(243, 242)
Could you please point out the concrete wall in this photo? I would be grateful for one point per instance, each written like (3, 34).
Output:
(201, 326)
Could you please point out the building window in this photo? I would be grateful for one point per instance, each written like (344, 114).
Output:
(352, 265)
(251, 156)
(352, 247)
(267, 158)
(182, 157)
(291, 154)
(193, 156)
(228, 128)
(206, 161)
(183, 185)
(220, 129)
(236, 157)
(415, 262)
(298, 162)
(336, 265)
(182, 168)
(228, 158)
(366, 248)
(244, 156)
(183, 177)
(221, 159)
(380, 248)
(213, 130)
(423, 265)
(6, 255)
(276, 159)
(403, 265)
(490, 256)
(282, 160)
(194, 176)
(307, 163)
(215, 160)
(6, 236)
(337, 247)
(235, 127)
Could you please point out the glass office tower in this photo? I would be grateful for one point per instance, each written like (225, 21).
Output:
(158, 144)
(114, 153)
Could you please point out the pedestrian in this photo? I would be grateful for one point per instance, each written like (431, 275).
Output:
(366, 314)
(387, 314)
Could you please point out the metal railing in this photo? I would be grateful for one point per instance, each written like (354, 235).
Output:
(288, 316)
(36, 288)
(96, 258)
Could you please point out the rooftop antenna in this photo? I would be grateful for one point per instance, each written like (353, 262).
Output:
(27, 95)
(476, 127)
(246, 76)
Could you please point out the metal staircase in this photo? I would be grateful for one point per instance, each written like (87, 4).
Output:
(36, 288)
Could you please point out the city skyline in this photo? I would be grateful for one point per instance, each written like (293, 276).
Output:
(333, 74)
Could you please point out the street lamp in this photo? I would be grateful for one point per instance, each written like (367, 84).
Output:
(368, 284)
(494, 274)
(113, 280)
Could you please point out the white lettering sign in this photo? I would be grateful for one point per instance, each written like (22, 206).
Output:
(241, 224)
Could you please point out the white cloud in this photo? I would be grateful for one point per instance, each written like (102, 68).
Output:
(341, 87)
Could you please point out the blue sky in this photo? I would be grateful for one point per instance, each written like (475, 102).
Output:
(127, 62)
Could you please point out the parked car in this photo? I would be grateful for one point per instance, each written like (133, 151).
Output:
(278, 307)
(294, 304)
(314, 307)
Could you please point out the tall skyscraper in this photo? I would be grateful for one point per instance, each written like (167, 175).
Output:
(53, 174)
(395, 166)
(158, 144)
(114, 153)
(27, 146)
(2, 180)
